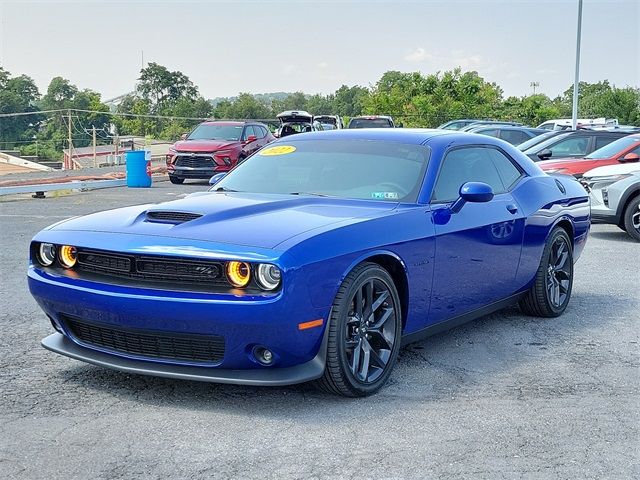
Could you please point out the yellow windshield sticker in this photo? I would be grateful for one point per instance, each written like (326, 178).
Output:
(277, 150)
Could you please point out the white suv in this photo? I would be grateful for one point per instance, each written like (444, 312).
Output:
(615, 196)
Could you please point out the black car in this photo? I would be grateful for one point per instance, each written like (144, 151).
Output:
(371, 121)
(513, 134)
(574, 143)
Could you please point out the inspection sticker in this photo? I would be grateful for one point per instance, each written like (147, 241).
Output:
(277, 150)
(384, 195)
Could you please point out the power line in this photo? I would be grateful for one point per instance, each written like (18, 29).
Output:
(115, 114)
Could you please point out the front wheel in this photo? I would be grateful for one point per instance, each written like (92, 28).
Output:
(632, 219)
(550, 293)
(176, 180)
(364, 333)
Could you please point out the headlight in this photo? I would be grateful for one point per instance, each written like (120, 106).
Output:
(46, 254)
(68, 256)
(606, 180)
(238, 273)
(268, 276)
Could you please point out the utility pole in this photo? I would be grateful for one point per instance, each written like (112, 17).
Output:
(576, 86)
(95, 160)
(70, 151)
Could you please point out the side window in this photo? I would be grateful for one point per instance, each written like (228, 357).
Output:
(514, 137)
(602, 141)
(259, 131)
(509, 173)
(491, 132)
(473, 164)
(635, 150)
(248, 130)
(571, 146)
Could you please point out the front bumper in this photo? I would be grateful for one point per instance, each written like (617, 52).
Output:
(197, 173)
(244, 323)
(305, 372)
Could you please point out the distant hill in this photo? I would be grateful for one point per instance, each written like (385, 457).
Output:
(263, 97)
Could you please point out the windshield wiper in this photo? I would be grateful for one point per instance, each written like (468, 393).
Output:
(224, 189)
(309, 193)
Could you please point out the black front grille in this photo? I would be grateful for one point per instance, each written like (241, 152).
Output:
(186, 347)
(153, 269)
(173, 217)
(194, 161)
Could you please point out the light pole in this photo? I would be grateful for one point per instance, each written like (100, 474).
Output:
(534, 85)
(574, 110)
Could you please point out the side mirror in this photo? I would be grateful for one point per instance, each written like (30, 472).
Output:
(630, 158)
(216, 178)
(251, 138)
(475, 192)
(183, 136)
(399, 125)
(545, 154)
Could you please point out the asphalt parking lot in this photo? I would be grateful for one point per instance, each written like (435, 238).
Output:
(506, 396)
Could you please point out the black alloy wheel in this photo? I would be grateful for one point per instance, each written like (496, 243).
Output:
(364, 333)
(370, 330)
(559, 272)
(551, 290)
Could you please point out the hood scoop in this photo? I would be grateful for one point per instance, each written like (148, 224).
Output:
(171, 217)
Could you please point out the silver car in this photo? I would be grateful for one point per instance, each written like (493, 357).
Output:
(615, 196)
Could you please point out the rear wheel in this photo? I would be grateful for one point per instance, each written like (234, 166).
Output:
(551, 290)
(176, 180)
(364, 333)
(632, 219)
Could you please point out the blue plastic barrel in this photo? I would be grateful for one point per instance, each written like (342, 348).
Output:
(138, 169)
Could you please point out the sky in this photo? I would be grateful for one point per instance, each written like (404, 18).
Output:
(227, 47)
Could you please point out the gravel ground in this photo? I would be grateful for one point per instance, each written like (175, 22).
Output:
(506, 396)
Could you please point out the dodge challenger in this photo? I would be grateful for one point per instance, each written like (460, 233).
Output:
(315, 259)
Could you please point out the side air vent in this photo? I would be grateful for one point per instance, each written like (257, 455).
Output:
(171, 217)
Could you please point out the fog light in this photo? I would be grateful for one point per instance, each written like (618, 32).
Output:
(263, 355)
(605, 197)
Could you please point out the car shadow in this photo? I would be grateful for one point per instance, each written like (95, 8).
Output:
(467, 360)
(615, 235)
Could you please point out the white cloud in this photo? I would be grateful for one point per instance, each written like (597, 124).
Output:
(418, 55)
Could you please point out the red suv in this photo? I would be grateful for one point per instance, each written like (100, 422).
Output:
(623, 150)
(215, 147)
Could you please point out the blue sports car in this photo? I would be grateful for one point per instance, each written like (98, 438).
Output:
(313, 260)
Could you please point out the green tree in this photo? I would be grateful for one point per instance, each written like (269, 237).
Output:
(17, 95)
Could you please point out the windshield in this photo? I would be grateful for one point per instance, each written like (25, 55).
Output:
(535, 140)
(369, 123)
(545, 143)
(614, 148)
(360, 169)
(212, 131)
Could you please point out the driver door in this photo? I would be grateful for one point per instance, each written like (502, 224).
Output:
(478, 248)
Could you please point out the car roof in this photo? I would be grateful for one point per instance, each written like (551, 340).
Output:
(415, 136)
(371, 117)
(224, 122)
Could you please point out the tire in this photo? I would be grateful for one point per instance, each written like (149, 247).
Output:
(550, 293)
(363, 343)
(632, 219)
(176, 180)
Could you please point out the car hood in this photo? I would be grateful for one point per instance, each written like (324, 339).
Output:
(202, 145)
(618, 169)
(254, 220)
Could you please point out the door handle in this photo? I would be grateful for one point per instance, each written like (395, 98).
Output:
(512, 208)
